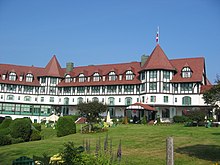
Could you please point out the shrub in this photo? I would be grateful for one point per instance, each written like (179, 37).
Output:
(180, 119)
(6, 123)
(5, 140)
(17, 140)
(5, 131)
(74, 117)
(1, 119)
(144, 120)
(37, 126)
(65, 126)
(35, 135)
(21, 128)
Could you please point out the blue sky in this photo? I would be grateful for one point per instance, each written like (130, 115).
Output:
(108, 31)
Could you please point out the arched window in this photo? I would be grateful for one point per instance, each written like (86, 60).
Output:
(10, 97)
(67, 78)
(129, 75)
(29, 77)
(66, 101)
(186, 72)
(79, 100)
(96, 77)
(12, 76)
(111, 101)
(27, 98)
(81, 78)
(186, 100)
(95, 99)
(128, 101)
(112, 76)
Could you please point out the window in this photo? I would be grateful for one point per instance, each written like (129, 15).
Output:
(52, 90)
(12, 76)
(80, 89)
(142, 87)
(128, 101)
(112, 76)
(165, 113)
(67, 78)
(51, 99)
(67, 90)
(42, 99)
(119, 100)
(29, 77)
(66, 101)
(11, 88)
(153, 74)
(96, 77)
(53, 80)
(165, 99)
(111, 89)
(186, 87)
(175, 87)
(95, 99)
(153, 99)
(35, 98)
(10, 97)
(73, 100)
(142, 76)
(186, 100)
(81, 78)
(96, 89)
(79, 100)
(129, 88)
(43, 80)
(166, 74)
(111, 101)
(186, 72)
(129, 75)
(175, 99)
(28, 89)
(166, 86)
(153, 86)
(27, 98)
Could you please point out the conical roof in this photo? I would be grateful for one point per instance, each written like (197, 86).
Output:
(158, 60)
(53, 68)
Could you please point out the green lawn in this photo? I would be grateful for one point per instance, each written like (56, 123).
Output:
(141, 144)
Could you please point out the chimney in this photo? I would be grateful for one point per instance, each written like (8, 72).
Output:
(143, 59)
(69, 66)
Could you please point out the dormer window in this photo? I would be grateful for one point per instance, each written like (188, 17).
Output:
(96, 77)
(12, 76)
(29, 77)
(129, 75)
(81, 78)
(112, 76)
(3, 77)
(67, 79)
(186, 72)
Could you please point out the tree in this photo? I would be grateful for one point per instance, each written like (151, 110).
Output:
(92, 110)
(212, 96)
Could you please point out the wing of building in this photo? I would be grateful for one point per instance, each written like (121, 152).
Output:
(168, 87)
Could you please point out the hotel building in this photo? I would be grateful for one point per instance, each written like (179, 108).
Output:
(167, 86)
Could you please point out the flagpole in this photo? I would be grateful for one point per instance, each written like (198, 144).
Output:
(158, 29)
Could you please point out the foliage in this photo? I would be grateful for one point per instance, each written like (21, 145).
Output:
(21, 128)
(2, 119)
(212, 95)
(5, 123)
(71, 154)
(91, 110)
(43, 160)
(37, 126)
(180, 119)
(17, 140)
(5, 140)
(35, 135)
(144, 120)
(196, 115)
(74, 117)
(65, 126)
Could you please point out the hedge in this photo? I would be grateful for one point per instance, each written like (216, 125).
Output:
(21, 128)
(65, 126)
(5, 123)
(37, 126)
(180, 119)
(35, 135)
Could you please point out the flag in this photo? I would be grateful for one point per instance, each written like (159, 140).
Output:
(157, 36)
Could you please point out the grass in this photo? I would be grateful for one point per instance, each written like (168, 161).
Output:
(141, 144)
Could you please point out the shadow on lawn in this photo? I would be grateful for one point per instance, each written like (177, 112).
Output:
(216, 133)
(206, 152)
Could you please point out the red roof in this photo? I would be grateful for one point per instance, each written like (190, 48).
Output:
(195, 64)
(158, 60)
(136, 106)
(205, 88)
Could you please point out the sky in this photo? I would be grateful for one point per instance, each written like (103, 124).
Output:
(90, 32)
